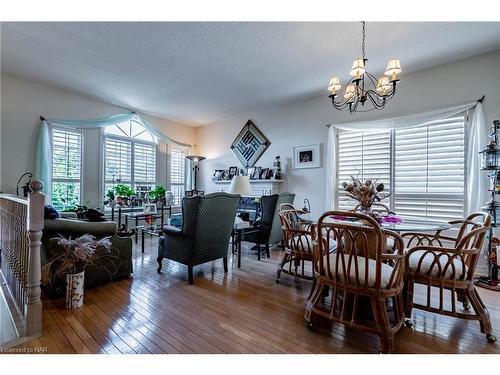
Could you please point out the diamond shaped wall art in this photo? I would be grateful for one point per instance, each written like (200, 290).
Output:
(250, 144)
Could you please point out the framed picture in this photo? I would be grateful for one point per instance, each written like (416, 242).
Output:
(250, 144)
(233, 171)
(225, 175)
(307, 156)
(149, 208)
(251, 173)
(217, 176)
(263, 173)
(257, 173)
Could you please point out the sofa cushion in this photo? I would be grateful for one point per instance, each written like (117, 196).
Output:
(385, 275)
(76, 228)
(427, 264)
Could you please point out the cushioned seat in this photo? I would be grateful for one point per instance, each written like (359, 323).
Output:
(305, 240)
(385, 275)
(429, 258)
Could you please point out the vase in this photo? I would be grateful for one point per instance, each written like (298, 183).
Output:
(74, 290)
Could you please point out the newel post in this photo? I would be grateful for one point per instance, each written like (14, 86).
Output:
(33, 313)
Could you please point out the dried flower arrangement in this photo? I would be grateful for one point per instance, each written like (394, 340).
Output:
(76, 256)
(366, 193)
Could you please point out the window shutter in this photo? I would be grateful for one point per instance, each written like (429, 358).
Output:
(177, 173)
(118, 159)
(66, 167)
(144, 164)
(429, 170)
(368, 153)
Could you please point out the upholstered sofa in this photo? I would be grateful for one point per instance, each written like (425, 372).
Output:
(111, 268)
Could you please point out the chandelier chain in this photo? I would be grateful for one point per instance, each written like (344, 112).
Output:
(363, 42)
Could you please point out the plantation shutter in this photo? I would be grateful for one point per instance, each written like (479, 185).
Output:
(366, 155)
(66, 167)
(177, 174)
(118, 161)
(144, 164)
(429, 170)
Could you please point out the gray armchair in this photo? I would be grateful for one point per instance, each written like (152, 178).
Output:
(206, 229)
(276, 230)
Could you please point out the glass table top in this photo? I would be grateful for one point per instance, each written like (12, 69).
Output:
(407, 225)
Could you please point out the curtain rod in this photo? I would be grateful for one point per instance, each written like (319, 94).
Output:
(480, 100)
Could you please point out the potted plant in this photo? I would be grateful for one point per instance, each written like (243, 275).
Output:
(158, 194)
(76, 255)
(123, 193)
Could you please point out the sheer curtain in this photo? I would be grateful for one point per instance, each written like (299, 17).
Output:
(476, 130)
(43, 166)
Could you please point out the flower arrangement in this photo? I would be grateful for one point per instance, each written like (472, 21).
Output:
(366, 193)
(73, 257)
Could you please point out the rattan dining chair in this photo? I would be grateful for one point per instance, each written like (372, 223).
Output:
(359, 276)
(446, 265)
(298, 244)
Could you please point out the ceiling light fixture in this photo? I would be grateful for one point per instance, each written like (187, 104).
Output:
(364, 88)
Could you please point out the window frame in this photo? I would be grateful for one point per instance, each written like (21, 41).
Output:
(393, 140)
(133, 142)
(68, 129)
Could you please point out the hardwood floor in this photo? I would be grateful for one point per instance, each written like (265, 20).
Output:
(243, 311)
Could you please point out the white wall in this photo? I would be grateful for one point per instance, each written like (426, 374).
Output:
(22, 103)
(304, 122)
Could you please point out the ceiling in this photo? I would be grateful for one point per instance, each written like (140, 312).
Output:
(200, 72)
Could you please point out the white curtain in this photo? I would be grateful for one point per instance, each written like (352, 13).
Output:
(331, 175)
(476, 129)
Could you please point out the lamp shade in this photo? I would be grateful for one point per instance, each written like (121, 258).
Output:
(383, 85)
(349, 93)
(240, 185)
(334, 85)
(195, 158)
(393, 67)
(358, 68)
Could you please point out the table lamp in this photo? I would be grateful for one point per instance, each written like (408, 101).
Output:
(240, 185)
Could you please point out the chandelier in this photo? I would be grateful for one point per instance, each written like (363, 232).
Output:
(364, 92)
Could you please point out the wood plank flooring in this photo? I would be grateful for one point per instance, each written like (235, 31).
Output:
(243, 311)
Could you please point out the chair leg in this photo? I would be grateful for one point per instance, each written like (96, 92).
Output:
(408, 297)
(462, 297)
(280, 266)
(224, 261)
(383, 325)
(190, 275)
(480, 310)
(159, 259)
(267, 251)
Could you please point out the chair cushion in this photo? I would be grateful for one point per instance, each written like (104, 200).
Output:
(390, 244)
(305, 241)
(385, 276)
(414, 259)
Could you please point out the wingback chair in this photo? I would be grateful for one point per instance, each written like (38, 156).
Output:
(276, 234)
(268, 208)
(362, 277)
(443, 263)
(206, 228)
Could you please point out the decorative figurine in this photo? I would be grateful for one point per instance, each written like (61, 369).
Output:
(277, 166)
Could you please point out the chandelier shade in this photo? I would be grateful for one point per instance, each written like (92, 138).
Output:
(364, 92)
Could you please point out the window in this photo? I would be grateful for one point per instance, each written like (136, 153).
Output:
(177, 174)
(129, 156)
(423, 166)
(66, 168)
(367, 156)
(430, 170)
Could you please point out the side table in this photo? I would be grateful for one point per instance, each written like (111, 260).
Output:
(237, 234)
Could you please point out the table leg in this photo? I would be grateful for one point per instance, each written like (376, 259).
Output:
(238, 247)
(136, 228)
(258, 250)
(142, 243)
(126, 220)
(232, 241)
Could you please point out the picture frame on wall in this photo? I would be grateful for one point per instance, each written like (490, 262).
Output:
(307, 156)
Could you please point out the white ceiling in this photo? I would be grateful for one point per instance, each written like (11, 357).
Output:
(200, 72)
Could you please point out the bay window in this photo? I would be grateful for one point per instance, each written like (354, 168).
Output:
(177, 174)
(423, 167)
